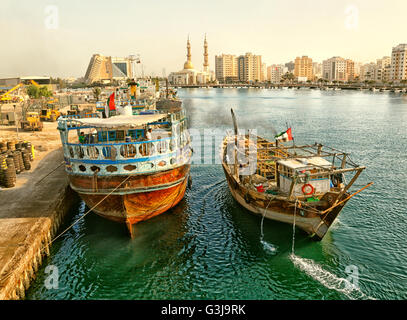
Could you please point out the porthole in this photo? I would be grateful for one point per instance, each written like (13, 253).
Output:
(130, 167)
(111, 168)
(82, 168)
(95, 168)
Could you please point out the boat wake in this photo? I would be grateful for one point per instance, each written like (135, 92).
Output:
(328, 279)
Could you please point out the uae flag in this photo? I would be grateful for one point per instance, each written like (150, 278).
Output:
(285, 136)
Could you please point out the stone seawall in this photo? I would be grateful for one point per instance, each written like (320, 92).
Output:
(30, 216)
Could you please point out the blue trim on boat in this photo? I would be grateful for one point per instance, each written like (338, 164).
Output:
(116, 144)
(89, 161)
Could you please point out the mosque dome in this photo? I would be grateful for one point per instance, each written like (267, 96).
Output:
(188, 65)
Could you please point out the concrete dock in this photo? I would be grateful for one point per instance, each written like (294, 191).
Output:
(29, 218)
(32, 211)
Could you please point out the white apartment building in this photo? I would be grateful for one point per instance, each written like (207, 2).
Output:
(275, 72)
(382, 68)
(368, 72)
(334, 69)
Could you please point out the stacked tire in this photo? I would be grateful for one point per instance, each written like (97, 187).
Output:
(15, 157)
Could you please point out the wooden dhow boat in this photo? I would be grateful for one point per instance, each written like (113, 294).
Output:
(127, 168)
(305, 185)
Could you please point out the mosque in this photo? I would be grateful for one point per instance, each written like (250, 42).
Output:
(189, 75)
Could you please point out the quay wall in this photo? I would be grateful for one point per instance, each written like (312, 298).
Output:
(30, 216)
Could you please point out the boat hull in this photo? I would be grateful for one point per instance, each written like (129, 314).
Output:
(313, 224)
(139, 198)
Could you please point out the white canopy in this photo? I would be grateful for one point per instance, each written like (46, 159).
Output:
(303, 163)
(121, 121)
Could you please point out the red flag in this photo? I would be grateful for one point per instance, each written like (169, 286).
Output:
(111, 103)
(290, 136)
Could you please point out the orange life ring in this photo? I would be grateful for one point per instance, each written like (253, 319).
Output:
(307, 185)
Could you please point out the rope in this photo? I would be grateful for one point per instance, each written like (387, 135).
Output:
(50, 173)
(295, 214)
(84, 215)
(264, 213)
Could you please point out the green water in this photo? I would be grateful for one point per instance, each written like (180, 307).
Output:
(208, 247)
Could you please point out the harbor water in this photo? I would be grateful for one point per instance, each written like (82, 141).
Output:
(208, 247)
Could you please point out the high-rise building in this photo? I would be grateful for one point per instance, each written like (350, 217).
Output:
(350, 70)
(399, 62)
(334, 69)
(317, 70)
(121, 68)
(226, 68)
(383, 66)
(99, 69)
(357, 66)
(368, 72)
(275, 72)
(290, 66)
(303, 68)
(249, 67)
(105, 69)
(263, 72)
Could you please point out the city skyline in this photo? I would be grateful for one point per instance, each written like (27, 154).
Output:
(60, 37)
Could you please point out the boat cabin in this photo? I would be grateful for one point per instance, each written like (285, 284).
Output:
(117, 144)
(289, 169)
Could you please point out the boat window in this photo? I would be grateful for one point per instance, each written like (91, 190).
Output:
(102, 136)
(120, 135)
(112, 135)
(135, 133)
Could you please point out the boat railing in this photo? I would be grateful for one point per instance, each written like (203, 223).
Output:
(81, 116)
(125, 157)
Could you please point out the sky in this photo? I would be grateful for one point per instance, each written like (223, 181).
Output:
(58, 37)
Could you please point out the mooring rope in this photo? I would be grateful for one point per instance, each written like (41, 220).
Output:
(50, 173)
(295, 214)
(84, 215)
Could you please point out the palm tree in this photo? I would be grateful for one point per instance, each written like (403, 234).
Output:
(96, 92)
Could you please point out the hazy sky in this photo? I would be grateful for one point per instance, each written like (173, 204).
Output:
(57, 37)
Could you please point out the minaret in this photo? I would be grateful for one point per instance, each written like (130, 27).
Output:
(206, 62)
(188, 64)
